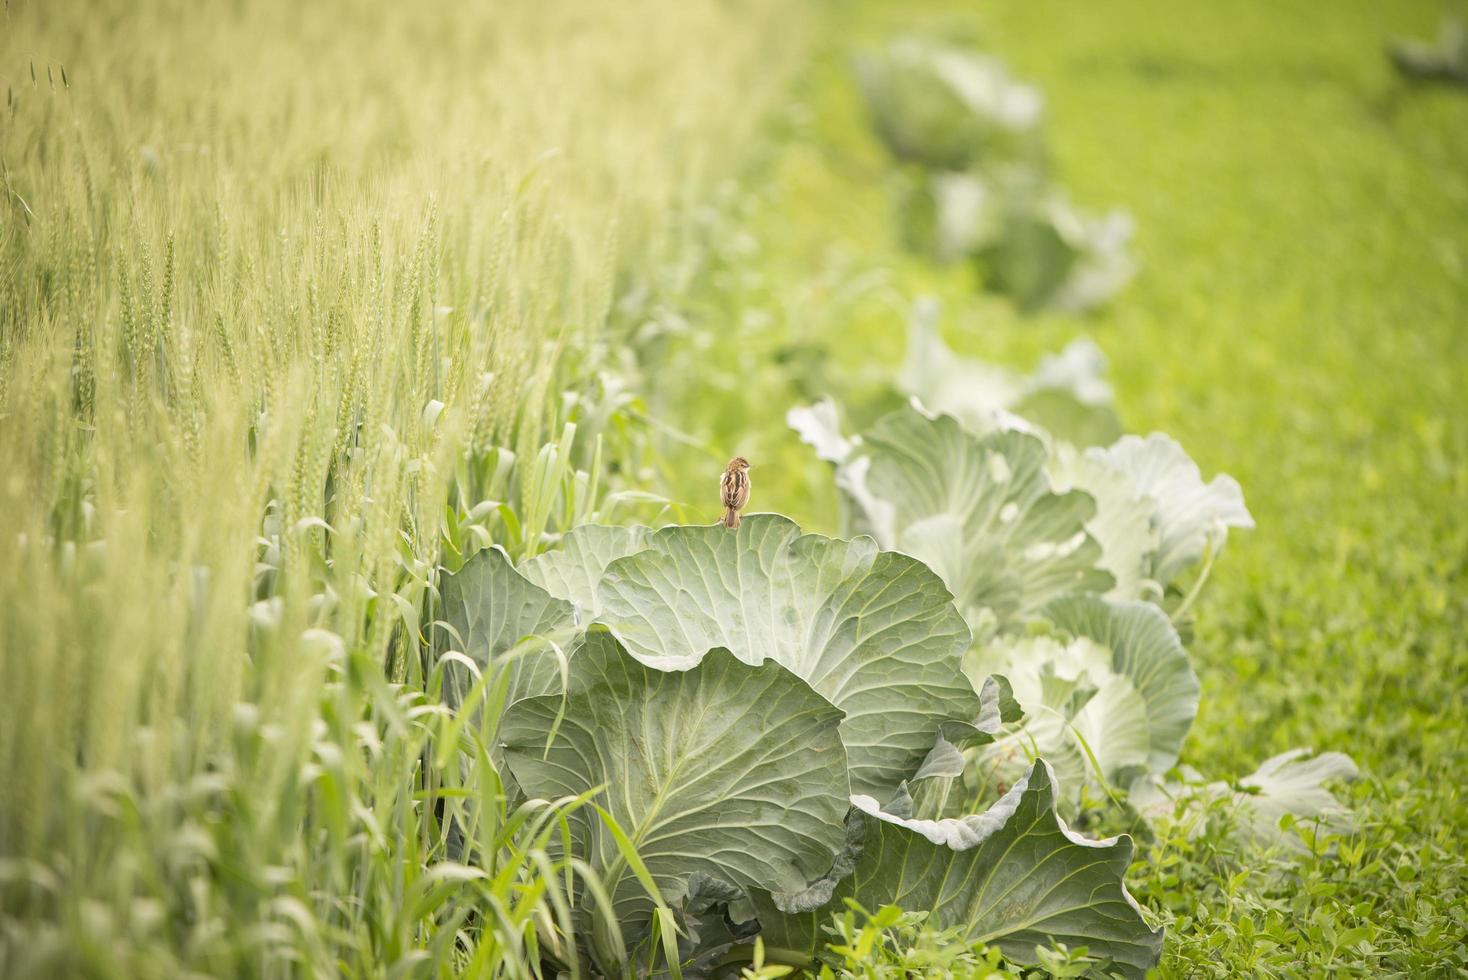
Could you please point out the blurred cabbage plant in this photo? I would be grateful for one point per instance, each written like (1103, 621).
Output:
(1444, 59)
(945, 108)
(978, 187)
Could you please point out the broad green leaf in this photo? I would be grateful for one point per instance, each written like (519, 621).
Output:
(1114, 688)
(819, 426)
(572, 570)
(874, 632)
(945, 761)
(1292, 783)
(979, 510)
(726, 769)
(997, 704)
(1123, 524)
(488, 608)
(1191, 516)
(1014, 876)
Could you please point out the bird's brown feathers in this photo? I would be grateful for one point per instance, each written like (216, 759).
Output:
(734, 490)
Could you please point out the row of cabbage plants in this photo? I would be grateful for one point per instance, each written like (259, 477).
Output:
(912, 712)
(945, 706)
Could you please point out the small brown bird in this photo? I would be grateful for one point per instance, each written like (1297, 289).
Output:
(734, 490)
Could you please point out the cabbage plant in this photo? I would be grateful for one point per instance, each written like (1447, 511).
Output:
(1444, 59)
(1027, 239)
(747, 712)
(947, 108)
(1014, 876)
(1288, 789)
(1151, 513)
(979, 509)
(1045, 253)
(976, 183)
(1067, 397)
(1156, 517)
(1069, 565)
(1108, 691)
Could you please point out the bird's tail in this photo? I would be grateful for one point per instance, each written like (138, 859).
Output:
(731, 518)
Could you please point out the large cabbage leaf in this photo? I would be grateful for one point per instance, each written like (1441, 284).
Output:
(1190, 516)
(1155, 517)
(874, 632)
(1014, 876)
(978, 509)
(729, 770)
(1124, 524)
(1113, 690)
(488, 609)
(572, 570)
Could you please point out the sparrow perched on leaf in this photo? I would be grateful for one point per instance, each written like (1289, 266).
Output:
(734, 490)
